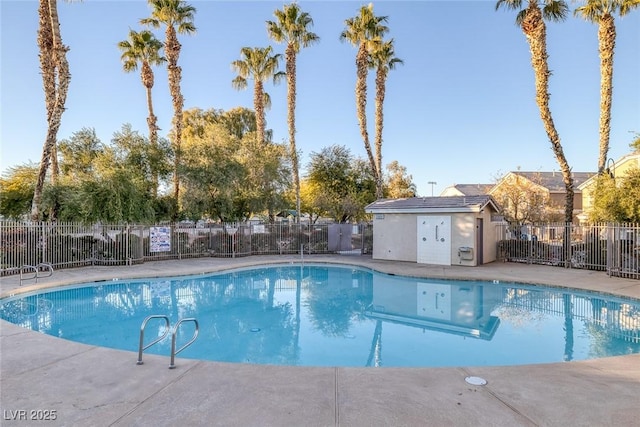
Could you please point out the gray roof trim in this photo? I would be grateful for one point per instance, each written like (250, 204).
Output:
(456, 204)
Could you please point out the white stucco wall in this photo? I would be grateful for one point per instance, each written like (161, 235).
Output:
(463, 234)
(394, 236)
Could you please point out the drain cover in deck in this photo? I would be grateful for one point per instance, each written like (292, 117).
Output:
(476, 381)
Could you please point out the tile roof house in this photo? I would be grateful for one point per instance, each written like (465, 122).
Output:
(550, 184)
(466, 190)
(435, 230)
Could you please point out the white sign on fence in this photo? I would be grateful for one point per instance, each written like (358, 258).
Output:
(160, 239)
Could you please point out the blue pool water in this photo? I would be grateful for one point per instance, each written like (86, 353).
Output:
(318, 315)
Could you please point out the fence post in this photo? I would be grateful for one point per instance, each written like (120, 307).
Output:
(566, 244)
(127, 256)
(43, 230)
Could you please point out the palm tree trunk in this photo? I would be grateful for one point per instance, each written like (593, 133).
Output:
(362, 68)
(52, 58)
(380, 93)
(607, 41)
(47, 66)
(534, 29)
(55, 168)
(172, 50)
(148, 81)
(258, 105)
(290, 57)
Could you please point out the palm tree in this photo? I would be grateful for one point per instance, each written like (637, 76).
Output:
(383, 59)
(260, 65)
(177, 17)
(363, 31)
(601, 12)
(55, 77)
(291, 27)
(142, 47)
(531, 20)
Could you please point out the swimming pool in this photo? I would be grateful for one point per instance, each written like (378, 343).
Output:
(319, 315)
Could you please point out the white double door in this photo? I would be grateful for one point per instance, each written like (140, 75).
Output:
(434, 240)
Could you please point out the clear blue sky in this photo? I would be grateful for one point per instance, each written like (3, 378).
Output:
(460, 110)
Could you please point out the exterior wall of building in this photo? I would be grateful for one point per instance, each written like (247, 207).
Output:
(463, 235)
(451, 192)
(491, 237)
(395, 235)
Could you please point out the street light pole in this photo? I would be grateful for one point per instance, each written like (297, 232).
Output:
(432, 183)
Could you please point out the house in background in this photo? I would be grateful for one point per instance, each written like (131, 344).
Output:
(528, 196)
(617, 169)
(435, 230)
(537, 196)
(466, 190)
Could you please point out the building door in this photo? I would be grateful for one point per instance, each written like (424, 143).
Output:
(434, 240)
(479, 240)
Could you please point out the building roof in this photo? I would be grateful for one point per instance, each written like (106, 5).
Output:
(432, 204)
(553, 181)
(467, 189)
(611, 168)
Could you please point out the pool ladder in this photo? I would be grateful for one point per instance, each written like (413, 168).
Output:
(174, 334)
(26, 271)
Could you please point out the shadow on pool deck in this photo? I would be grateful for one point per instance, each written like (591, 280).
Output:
(43, 376)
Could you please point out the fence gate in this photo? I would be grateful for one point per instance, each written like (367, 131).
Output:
(339, 238)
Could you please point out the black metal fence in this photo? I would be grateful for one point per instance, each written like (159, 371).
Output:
(71, 245)
(614, 248)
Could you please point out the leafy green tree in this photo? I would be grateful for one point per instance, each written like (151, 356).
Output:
(143, 48)
(602, 12)
(238, 121)
(212, 174)
(364, 31)
(617, 199)
(17, 185)
(115, 198)
(260, 65)
(399, 184)
(177, 17)
(291, 28)
(268, 176)
(229, 175)
(313, 200)
(105, 182)
(79, 153)
(346, 184)
(145, 162)
(531, 21)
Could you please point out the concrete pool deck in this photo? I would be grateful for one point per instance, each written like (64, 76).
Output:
(43, 376)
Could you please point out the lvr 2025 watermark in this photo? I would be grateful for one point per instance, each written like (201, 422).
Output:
(29, 414)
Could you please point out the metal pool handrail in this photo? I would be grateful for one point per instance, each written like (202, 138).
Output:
(173, 339)
(35, 270)
(144, 325)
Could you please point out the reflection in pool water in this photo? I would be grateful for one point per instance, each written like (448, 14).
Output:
(318, 315)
